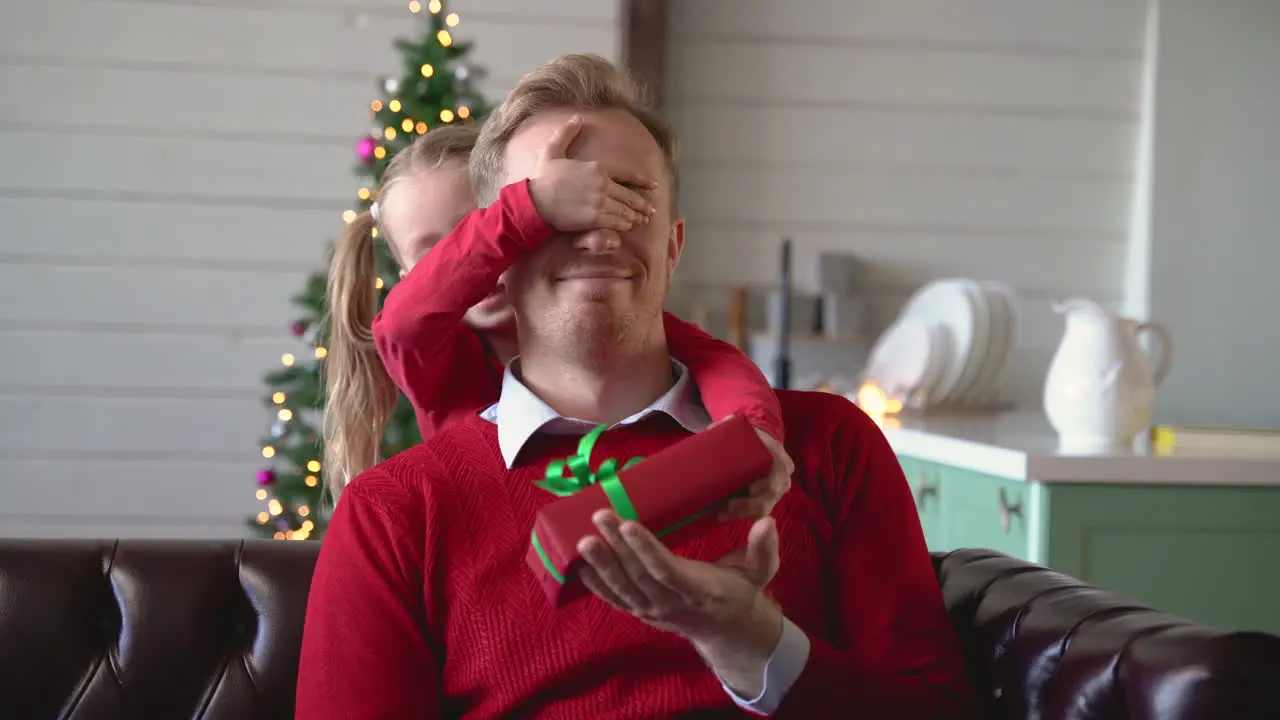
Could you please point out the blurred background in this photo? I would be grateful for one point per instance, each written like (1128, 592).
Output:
(173, 171)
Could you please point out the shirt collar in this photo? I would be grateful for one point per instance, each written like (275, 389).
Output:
(519, 413)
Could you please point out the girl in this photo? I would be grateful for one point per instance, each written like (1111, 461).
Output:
(446, 331)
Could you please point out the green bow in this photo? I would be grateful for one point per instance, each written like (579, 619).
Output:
(579, 467)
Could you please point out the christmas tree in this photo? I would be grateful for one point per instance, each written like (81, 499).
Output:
(434, 88)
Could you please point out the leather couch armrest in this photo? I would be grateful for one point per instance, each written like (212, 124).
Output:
(1041, 644)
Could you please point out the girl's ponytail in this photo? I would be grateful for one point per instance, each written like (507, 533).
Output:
(359, 394)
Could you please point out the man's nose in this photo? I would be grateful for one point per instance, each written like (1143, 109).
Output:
(597, 242)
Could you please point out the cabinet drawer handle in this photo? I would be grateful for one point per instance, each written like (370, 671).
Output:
(924, 490)
(1007, 511)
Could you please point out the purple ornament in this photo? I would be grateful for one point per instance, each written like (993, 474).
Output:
(365, 148)
(297, 327)
(283, 524)
(266, 476)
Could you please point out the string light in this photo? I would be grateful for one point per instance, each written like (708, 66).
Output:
(415, 6)
(308, 526)
(268, 452)
(421, 127)
(274, 507)
(464, 112)
(304, 511)
(379, 152)
(444, 38)
(285, 414)
(313, 466)
(427, 70)
(378, 284)
(373, 232)
(277, 397)
(311, 481)
(376, 105)
(287, 359)
(278, 536)
(435, 6)
(263, 517)
(389, 133)
(451, 19)
(407, 125)
(261, 494)
(349, 216)
(321, 353)
(446, 115)
(394, 106)
(363, 194)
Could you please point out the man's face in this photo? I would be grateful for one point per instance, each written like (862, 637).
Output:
(597, 285)
(419, 211)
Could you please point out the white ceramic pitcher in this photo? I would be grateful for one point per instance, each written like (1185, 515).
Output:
(1100, 387)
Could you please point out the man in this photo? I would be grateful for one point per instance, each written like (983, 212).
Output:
(422, 605)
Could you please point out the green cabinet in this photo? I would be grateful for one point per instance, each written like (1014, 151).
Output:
(1208, 552)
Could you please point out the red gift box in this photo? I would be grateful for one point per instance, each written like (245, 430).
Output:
(665, 492)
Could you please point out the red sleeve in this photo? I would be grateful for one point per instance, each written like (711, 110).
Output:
(895, 652)
(727, 380)
(440, 364)
(366, 647)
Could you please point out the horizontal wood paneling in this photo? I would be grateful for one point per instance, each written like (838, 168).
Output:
(227, 170)
(219, 428)
(175, 297)
(339, 39)
(781, 73)
(902, 260)
(183, 364)
(974, 203)
(163, 488)
(107, 231)
(841, 137)
(1028, 26)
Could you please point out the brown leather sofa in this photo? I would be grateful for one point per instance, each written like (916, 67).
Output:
(136, 629)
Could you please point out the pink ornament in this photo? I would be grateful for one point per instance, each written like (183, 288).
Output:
(266, 476)
(297, 327)
(365, 148)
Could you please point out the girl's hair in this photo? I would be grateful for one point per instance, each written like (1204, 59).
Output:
(360, 395)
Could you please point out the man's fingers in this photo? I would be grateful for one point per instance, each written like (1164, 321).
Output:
(600, 558)
(762, 551)
(593, 582)
(614, 208)
(563, 137)
(661, 564)
(630, 198)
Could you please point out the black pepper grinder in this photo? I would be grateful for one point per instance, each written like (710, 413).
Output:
(782, 369)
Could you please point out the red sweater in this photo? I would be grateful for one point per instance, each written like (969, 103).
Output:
(447, 372)
(422, 605)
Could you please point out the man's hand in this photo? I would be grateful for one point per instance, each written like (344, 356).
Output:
(574, 196)
(719, 607)
(764, 493)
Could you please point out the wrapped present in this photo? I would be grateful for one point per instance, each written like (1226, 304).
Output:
(666, 493)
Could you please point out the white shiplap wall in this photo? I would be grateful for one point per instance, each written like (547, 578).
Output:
(983, 138)
(170, 171)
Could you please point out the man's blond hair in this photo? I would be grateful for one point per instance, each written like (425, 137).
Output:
(569, 82)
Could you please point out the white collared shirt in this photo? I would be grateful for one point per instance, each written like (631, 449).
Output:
(519, 414)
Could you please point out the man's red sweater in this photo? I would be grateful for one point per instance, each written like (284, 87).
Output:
(448, 373)
(422, 605)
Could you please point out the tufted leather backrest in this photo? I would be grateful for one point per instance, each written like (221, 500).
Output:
(212, 630)
(1042, 645)
(150, 629)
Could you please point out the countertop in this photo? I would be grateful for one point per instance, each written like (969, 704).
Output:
(1021, 445)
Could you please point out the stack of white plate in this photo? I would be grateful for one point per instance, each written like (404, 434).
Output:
(949, 346)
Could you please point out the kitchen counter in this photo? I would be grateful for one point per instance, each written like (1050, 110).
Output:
(1021, 445)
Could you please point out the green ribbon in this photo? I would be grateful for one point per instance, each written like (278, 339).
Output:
(579, 477)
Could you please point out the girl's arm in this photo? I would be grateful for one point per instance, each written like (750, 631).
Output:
(730, 384)
(440, 364)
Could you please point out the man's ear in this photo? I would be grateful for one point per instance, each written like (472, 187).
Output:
(675, 245)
